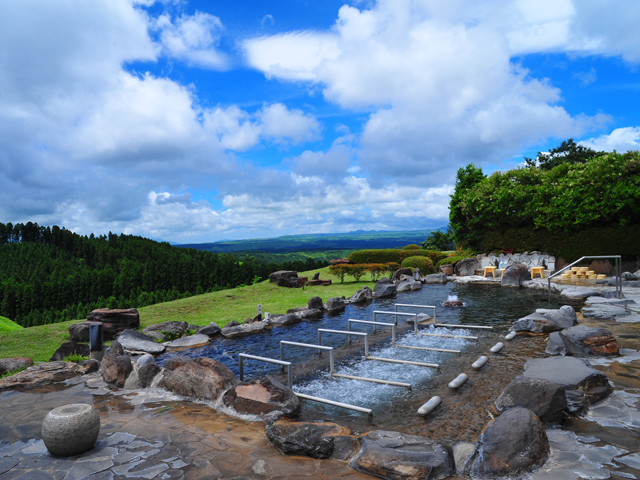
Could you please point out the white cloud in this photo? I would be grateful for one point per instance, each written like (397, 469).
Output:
(620, 139)
(438, 80)
(193, 38)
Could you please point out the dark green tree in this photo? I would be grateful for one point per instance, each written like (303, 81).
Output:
(466, 178)
(568, 152)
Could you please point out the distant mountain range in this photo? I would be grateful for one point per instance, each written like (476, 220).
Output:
(357, 240)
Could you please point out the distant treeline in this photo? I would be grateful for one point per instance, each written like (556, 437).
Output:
(51, 274)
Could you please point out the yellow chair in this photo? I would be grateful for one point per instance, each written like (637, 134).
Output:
(537, 270)
(491, 269)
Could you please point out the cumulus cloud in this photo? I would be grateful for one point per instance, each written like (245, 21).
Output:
(620, 139)
(193, 39)
(438, 80)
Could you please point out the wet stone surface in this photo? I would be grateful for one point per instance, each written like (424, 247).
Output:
(145, 436)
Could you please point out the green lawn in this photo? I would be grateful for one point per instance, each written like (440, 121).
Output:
(39, 343)
(7, 325)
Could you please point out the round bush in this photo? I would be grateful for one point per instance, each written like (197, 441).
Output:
(423, 263)
(413, 246)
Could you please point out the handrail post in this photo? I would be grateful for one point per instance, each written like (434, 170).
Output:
(242, 369)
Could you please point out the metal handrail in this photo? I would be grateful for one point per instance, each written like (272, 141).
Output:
(618, 268)
(282, 363)
(418, 306)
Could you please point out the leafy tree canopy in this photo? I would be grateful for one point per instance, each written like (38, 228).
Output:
(568, 152)
(438, 240)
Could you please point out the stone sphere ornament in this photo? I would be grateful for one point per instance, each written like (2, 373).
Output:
(71, 429)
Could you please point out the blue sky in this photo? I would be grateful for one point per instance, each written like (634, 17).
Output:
(196, 121)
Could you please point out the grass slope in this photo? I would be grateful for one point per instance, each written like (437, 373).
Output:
(7, 325)
(39, 343)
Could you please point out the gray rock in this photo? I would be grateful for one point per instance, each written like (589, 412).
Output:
(190, 341)
(466, 267)
(616, 302)
(462, 455)
(139, 342)
(315, 440)
(447, 269)
(115, 321)
(555, 345)
(583, 341)
(384, 290)
(384, 280)
(363, 294)
(116, 369)
(610, 294)
(628, 276)
(202, 378)
(578, 292)
(284, 278)
(546, 320)
(171, 329)
(395, 455)
(515, 275)
(401, 271)
(157, 337)
(262, 396)
(310, 313)
(417, 275)
(583, 384)
(546, 399)
(12, 364)
(315, 303)
(241, 330)
(512, 444)
(408, 285)
(146, 374)
(211, 330)
(436, 278)
(143, 360)
(335, 304)
(288, 319)
(79, 332)
(70, 348)
(131, 382)
(603, 312)
(41, 374)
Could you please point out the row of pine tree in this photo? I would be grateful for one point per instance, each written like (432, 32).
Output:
(51, 274)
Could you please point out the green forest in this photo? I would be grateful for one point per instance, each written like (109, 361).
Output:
(51, 274)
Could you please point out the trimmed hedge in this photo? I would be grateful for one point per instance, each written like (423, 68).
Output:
(393, 255)
(623, 241)
(411, 246)
(423, 263)
(450, 260)
(357, 271)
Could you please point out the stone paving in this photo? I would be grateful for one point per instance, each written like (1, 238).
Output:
(146, 436)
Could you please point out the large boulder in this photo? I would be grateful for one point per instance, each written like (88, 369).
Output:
(242, 330)
(384, 290)
(288, 319)
(284, 278)
(417, 275)
(262, 396)
(191, 341)
(512, 444)
(401, 271)
(447, 269)
(335, 304)
(395, 455)
(602, 266)
(79, 332)
(315, 303)
(583, 384)
(171, 329)
(546, 320)
(116, 367)
(67, 349)
(605, 311)
(146, 374)
(436, 278)
(115, 321)
(42, 374)
(408, 285)
(315, 440)
(544, 398)
(514, 275)
(12, 364)
(134, 341)
(466, 267)
(363, 294)
(202, 378)
(583, 341)
(210, 330)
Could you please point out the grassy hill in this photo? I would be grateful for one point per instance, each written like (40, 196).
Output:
(220, 307)
(7, 325)
(320, 241)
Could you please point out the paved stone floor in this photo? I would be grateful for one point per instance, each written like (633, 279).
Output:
(143, 436)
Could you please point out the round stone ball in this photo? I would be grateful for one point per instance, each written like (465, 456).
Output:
(71, 429)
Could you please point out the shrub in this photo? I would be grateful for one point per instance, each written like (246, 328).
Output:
(376, 270)
(392, 267)
(423, 263)
(339, 271)
(392, 255)
(74, 358)
(412, 246)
